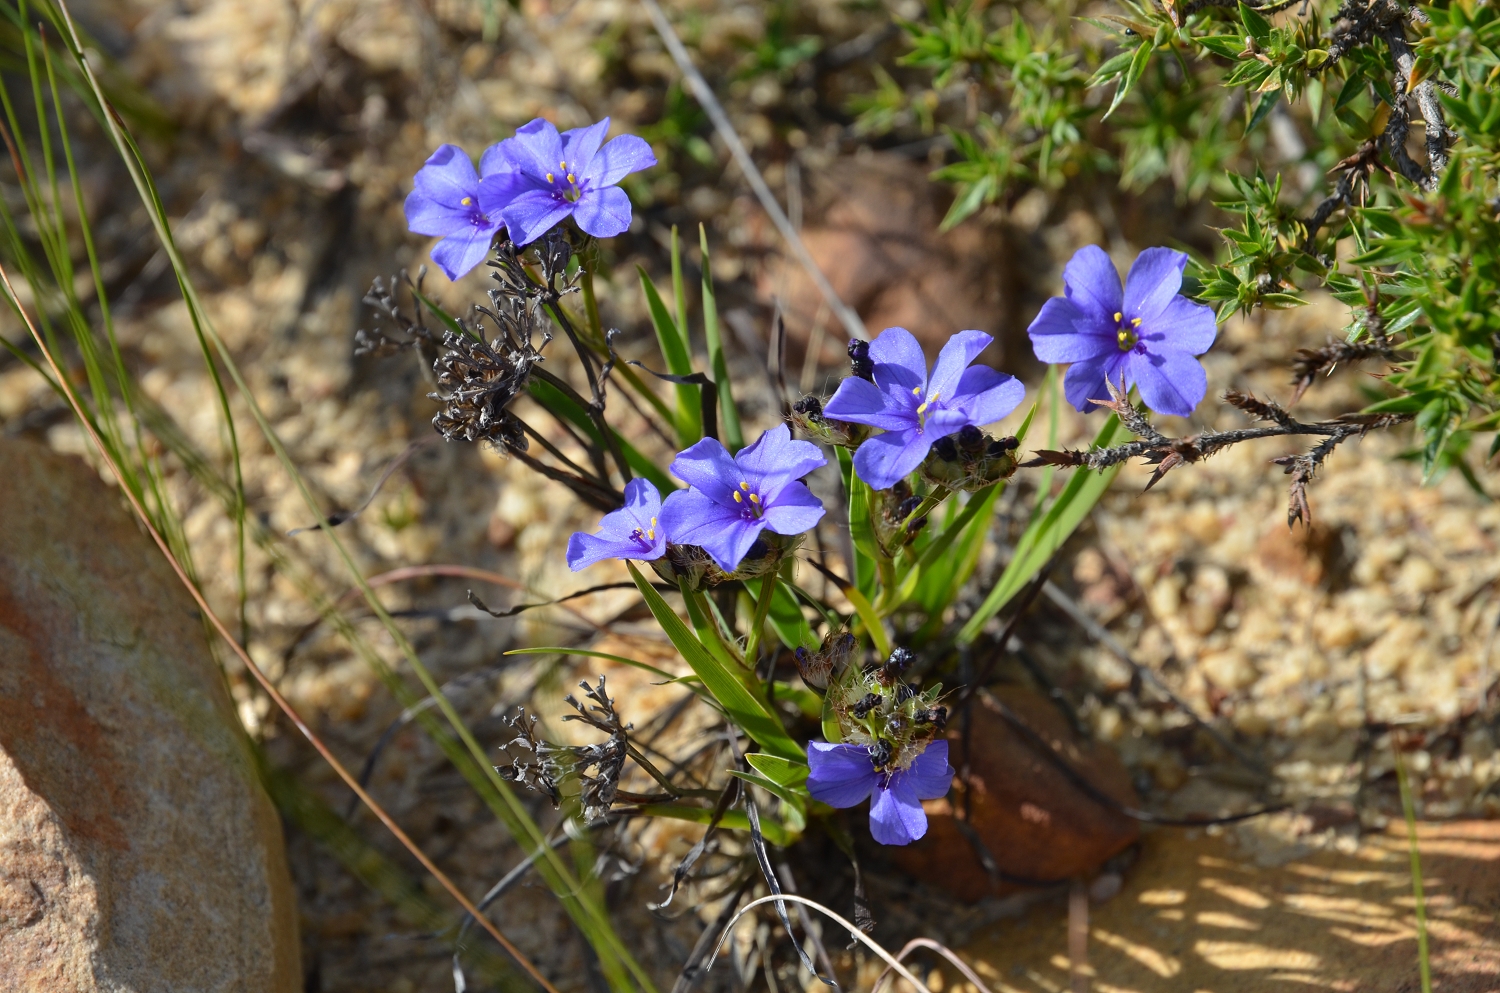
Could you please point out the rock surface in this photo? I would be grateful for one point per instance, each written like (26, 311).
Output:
(1034, 822)
(137, 849)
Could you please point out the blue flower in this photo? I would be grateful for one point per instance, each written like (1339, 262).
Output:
(914, 410)
(632, 532)
(733, 499)
(1148, 335)
(445, 201)
(548, 177)
(845, 775)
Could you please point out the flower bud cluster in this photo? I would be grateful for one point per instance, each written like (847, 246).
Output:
(877, 709)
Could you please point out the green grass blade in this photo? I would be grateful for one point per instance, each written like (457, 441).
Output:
(744, 708)
(674, 352)
(1046, 533)
(729, 414)
(857, 496)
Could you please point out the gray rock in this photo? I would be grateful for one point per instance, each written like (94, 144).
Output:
(138, 851)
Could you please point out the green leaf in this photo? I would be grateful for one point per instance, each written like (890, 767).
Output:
(777, 769)
(1268, 101)
(857, 495)
(746, 710)
(1256, 26)
(563, 407)
(674, 353)
(729, 414)
(1046, 532)
(786, 617)
(1132, 75)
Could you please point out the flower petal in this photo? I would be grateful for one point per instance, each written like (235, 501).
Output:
(464, 249)
(586, 549)
(862, 402)
(1092, 282)
(886, 459)
(1066, 332)
(708, 468)
(727, 544)
(986, 395)
(841, 775)
(1171, 382)
(498, 190)
(1154, 280)
(930, 775)
(604, 212)
(618, 159)
(776, 459)
(533, 214)
(691, 518)
(958, 354)
(900, 365)
(579, 146)
(896, 815)
(793, 510)
(447, 176)
(1183, 326)
(426, 216)
(537, 148)
(1085, 380)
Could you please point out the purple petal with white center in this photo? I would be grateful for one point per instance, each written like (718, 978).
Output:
(533, 214)
(776, 458)
(1170, 382)
(841, 775)
(426, 216)
(617, 159)
(896, 815)
(1085, 380)
(900, 365)
(464, 249)
(708, 468)
(580, 144)
(793, 510)
(957, 355)
(930, 774)
(987, 395)
(499, 190)
(1092, 282)
(860, 401)
(537, 148)
(603, 212)
(1183, 326)
(1154, 280)
(1066, 332)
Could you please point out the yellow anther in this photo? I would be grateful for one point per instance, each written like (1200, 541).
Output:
(653, 522)
(916, 391)
(466, 201)
(1119, 317)
(738, 498)
(570, 178)
(923, 408)
(551, 179)
(1135, 322)
(651, 534)
(745, 486)
(755, 498)
(934, 397)
(563, 166)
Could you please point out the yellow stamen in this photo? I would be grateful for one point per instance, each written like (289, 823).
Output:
(738, 498)
(570, 178)
(653, 522)
(1119, 317)
(755, 498)
(550, 179)
(916, 391)
(563, 166)
(651, 534)
(466, 201)
(923, 408)
(1135, 322)
(745, 486)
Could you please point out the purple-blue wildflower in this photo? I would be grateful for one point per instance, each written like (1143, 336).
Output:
(547, 177)
(915, 410)
(731, 500)
(445, 201)
(632, 532)
(844, 775)
(1148, 335)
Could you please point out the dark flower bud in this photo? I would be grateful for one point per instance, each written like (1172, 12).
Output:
(860, 363)
(945, 449)
(809, 406)
(896, 665)
(863, 707)
(908, 507)
(936, 716)
(758, 550)
(970, 438)
(915, 527)
(904, 692)
(1000, 446)
(880, 753)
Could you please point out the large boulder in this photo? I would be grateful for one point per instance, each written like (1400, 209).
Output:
(1032, 819)
(138, 851)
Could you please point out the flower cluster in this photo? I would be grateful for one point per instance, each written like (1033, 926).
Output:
(730, 501)
(528, 185)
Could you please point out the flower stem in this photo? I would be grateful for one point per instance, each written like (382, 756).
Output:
(1408, 809)
(762, 611)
